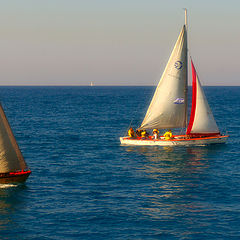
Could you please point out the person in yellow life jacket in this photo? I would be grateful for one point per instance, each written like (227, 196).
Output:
(143, 134)
(131, 133)
(155, 133)
(168, 135)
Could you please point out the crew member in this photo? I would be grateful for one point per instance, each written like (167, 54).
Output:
(143, 134)
(155, 133)
(168, 135)
(131, 132)
(138, 133)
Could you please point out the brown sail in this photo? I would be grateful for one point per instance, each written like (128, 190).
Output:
(13, 168)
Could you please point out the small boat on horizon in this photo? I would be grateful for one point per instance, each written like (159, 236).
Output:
(168, 108)
(13, 168)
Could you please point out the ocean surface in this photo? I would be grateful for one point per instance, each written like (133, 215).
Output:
(85, 185)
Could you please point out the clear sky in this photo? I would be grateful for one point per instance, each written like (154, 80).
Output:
(109, 42)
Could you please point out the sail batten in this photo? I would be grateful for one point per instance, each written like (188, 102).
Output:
(169, 103)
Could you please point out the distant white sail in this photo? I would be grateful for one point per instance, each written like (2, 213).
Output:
(11, 158)
(168, 108)
(201, 118)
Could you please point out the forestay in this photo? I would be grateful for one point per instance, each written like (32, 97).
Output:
(11, 158)
(168, 108)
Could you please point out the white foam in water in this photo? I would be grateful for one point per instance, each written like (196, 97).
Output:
(8, 185)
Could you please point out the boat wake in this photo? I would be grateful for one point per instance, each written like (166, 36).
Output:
(8, 185)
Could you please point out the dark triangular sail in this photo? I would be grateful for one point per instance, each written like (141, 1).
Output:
(11, 158)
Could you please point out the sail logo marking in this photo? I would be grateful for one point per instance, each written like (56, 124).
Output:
(179, 101)
(178, 65)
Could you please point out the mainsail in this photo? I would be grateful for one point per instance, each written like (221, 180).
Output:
(201, 118)
(11, 158)
(168, 108)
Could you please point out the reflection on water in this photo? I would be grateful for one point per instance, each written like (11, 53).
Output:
(170, 159)
(177, 180)
(10, 199)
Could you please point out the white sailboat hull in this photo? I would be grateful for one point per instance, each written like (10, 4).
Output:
(178, 141)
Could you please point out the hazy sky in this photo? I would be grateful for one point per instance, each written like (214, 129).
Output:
(127, 42)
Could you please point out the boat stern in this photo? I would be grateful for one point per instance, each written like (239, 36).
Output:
(14, 177)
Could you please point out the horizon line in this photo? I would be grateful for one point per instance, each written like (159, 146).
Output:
(85, 85)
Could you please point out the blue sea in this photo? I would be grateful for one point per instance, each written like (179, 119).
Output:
(85, 185)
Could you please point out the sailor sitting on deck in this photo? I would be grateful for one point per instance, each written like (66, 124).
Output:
(144, 134)
(131, 133)
(168, 135)
(155, 133)
(138, 132)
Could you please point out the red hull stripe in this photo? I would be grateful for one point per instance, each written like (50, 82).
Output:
(194, 96)
(19, 173)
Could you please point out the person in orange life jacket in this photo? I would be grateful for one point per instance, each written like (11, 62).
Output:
(138, 133)
(131, 133)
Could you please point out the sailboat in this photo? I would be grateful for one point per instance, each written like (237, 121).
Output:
(168, 108)
(13, 168)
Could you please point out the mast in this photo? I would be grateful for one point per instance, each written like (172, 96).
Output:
(186, 87)
(185, 10)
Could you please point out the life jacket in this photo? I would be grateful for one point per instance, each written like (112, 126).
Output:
(143, 133)
(130, 133)
(138, 133)
(167, 135)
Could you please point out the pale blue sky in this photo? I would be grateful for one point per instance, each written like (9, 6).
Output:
(127, 42)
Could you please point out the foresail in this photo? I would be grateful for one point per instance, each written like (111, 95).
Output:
(11, 158)
(169, 103)
(201, 118)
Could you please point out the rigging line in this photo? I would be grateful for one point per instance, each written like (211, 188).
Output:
(133, 116)
(148, 100)
(126, 132)
(138, 105)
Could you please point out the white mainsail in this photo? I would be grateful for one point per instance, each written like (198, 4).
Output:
(168, 108)
(201, 119)
(11, 158)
